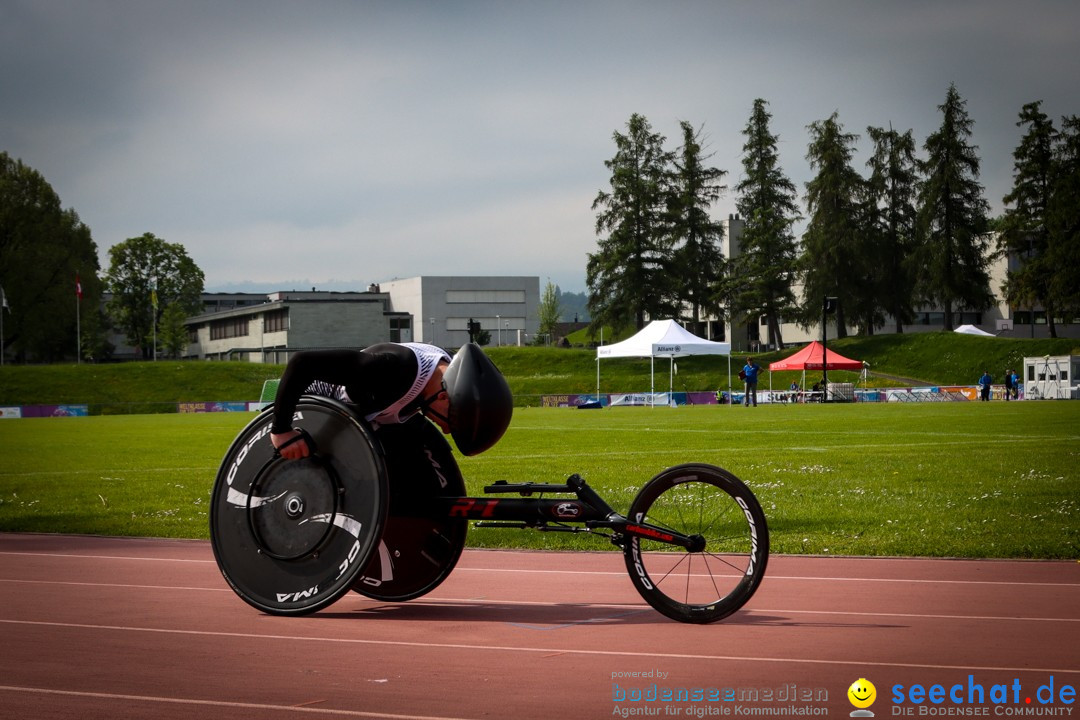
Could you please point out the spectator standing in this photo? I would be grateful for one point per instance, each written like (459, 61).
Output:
(1016, 386)
(750, 372)
(1008, 384)
(984, 386)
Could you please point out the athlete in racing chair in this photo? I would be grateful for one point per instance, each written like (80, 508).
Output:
(388, 383)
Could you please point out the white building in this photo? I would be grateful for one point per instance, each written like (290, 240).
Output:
(433, 309)
(442, 306)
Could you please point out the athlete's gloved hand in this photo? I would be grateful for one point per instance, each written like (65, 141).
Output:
(291, 444)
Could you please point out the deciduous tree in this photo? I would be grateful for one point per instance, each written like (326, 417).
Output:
(147, 275)
(43, 246)
(549, 310)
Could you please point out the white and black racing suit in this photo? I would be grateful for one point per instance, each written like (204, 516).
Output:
(384, 381)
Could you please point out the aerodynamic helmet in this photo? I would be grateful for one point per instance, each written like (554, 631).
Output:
(480, 400)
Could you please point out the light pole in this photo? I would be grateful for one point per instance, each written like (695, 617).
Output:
(828, 306)
(498, 329)
(432, 340)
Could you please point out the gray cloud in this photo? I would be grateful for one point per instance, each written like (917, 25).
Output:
(359, 141)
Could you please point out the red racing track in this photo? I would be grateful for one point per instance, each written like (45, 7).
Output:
(118, 628)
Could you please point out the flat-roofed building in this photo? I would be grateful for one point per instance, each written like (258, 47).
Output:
(433, 309)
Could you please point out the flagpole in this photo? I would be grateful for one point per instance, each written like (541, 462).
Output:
(78, 320)
(153, 314)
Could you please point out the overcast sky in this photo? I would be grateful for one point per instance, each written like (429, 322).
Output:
(339, 143)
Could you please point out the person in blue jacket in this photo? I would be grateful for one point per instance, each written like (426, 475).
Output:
(984, 386)
(750, 376)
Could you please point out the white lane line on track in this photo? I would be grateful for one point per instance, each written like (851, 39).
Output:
(651, 655)
(119, 586)
(462, 568)
(218, 703)
(438, 601)
(793, 577)
(435, 601)
(82, 556)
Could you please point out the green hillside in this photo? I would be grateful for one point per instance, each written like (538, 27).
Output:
(133, 387)
(933, 358)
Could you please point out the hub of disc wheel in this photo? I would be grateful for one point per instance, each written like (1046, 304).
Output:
(292, 508)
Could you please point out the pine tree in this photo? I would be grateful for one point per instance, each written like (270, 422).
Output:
(1024, 230)
(892, 188)
(953, 224)
(832, 259)
(698, 259)
(1063, 218)
(628, 276)
(764, 271)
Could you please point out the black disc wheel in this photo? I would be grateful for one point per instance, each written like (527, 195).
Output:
(291, 536)
(420, 543)
(726, 563)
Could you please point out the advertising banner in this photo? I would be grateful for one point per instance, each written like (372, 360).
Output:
(202, 407)
(55, 411)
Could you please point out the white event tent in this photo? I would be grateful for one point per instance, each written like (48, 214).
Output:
(661, 338)
(972, 330)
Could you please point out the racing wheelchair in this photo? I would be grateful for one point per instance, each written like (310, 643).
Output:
(384, 513)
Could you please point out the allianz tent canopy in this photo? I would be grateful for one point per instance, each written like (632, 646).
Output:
(661, 338)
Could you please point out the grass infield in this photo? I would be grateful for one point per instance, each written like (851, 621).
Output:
(936, 479)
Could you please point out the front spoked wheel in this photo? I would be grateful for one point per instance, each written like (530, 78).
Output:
(725, 565)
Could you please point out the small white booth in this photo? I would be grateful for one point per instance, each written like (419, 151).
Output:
(1052, 377)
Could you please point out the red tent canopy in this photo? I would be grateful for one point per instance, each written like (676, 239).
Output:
(809, 358)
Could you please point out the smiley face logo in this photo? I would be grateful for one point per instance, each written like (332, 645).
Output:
(862, 693)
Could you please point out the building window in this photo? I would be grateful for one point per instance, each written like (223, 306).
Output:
(233, 327)
(485, 296)
(929, 318)
(487, 323)
(398, 327)
(276, 320)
